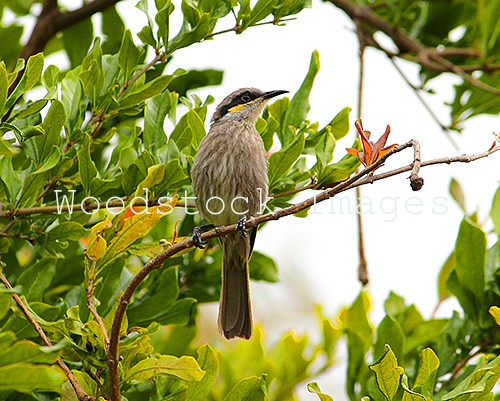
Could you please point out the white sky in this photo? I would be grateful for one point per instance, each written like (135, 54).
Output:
(317, 256)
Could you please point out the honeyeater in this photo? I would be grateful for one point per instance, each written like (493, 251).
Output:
(230, 183)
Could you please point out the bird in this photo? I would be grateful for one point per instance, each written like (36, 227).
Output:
(230, 183)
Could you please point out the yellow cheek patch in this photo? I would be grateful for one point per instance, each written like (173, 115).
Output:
(238, 107)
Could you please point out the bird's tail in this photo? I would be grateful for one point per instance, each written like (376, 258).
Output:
(235, 311)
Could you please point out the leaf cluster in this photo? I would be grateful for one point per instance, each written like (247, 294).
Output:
(468, 31)
(92, 185)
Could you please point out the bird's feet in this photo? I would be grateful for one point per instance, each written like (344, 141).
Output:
(242, 226)
(197, 241)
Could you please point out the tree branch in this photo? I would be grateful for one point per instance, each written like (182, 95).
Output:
(51, 21)
(362, 178)
(429, 58)
(80, 392)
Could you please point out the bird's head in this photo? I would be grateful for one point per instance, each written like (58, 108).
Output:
(245, 103)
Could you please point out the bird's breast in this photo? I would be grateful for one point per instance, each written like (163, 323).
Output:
(230, 174)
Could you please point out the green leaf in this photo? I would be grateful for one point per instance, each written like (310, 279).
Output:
(457, 194)
(155, 112)
(52, 126)
(190, 130)
(149, 90)
(470, 251)
(387, 373)
(281, 161)
(10, 178)
(180, 313)
(194, 79)
(299, 105)
(11, 34)
(71, 98)
(92, 75)
(480, 381)
(51, 76)
(289, 7)
(27, 378)
(389, 332)
(339, 171)
(77, 39)
(36, 279)
(146, 36)
(187, 37)
(340, 123)
(4, 88)
(113, 28)
(155, 176)
(249, 389)
(34, 182)
(444, 273)
(67, 231)
(325, 147)
(359, 340)
(263, 268)
(409, 394)
(261, 10)
(31, 76)
(86, 166)
(164, 292)
(207, 360)
(174, 178)
(489, 28)
(427, 373)
(495, 211)
(6, 148)
(25, 351)
(128, 55)
(162, 18)
(185, 368)
(314, 388)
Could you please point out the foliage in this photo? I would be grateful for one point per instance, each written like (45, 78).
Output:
(92, 185)
(441, 37)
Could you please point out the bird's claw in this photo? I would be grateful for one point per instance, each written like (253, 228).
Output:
(241, 226)
(197, 241)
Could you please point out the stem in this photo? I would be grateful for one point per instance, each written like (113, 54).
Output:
(80, 392)
(91, 304)
(363, 262)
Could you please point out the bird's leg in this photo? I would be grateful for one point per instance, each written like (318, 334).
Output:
(198, 242)
(241, 226)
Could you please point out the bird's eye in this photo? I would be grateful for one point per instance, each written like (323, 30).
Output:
(246, 97)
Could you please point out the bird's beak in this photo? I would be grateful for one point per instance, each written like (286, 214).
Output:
(270, 94)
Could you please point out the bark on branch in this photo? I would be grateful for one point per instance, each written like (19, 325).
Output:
(52, 20)
(363, 177)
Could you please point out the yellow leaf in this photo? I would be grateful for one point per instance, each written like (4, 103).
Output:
(134, 227)
(97, 247)
(495, 312)
(155, 176)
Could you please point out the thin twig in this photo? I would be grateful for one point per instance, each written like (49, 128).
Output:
(80, 392)
(158, 57)
(293, 191)
(363, 261)
(82, 207)
(91, 304)
(238, 29)
(363, 177)
(429, 110)
(412, 49)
